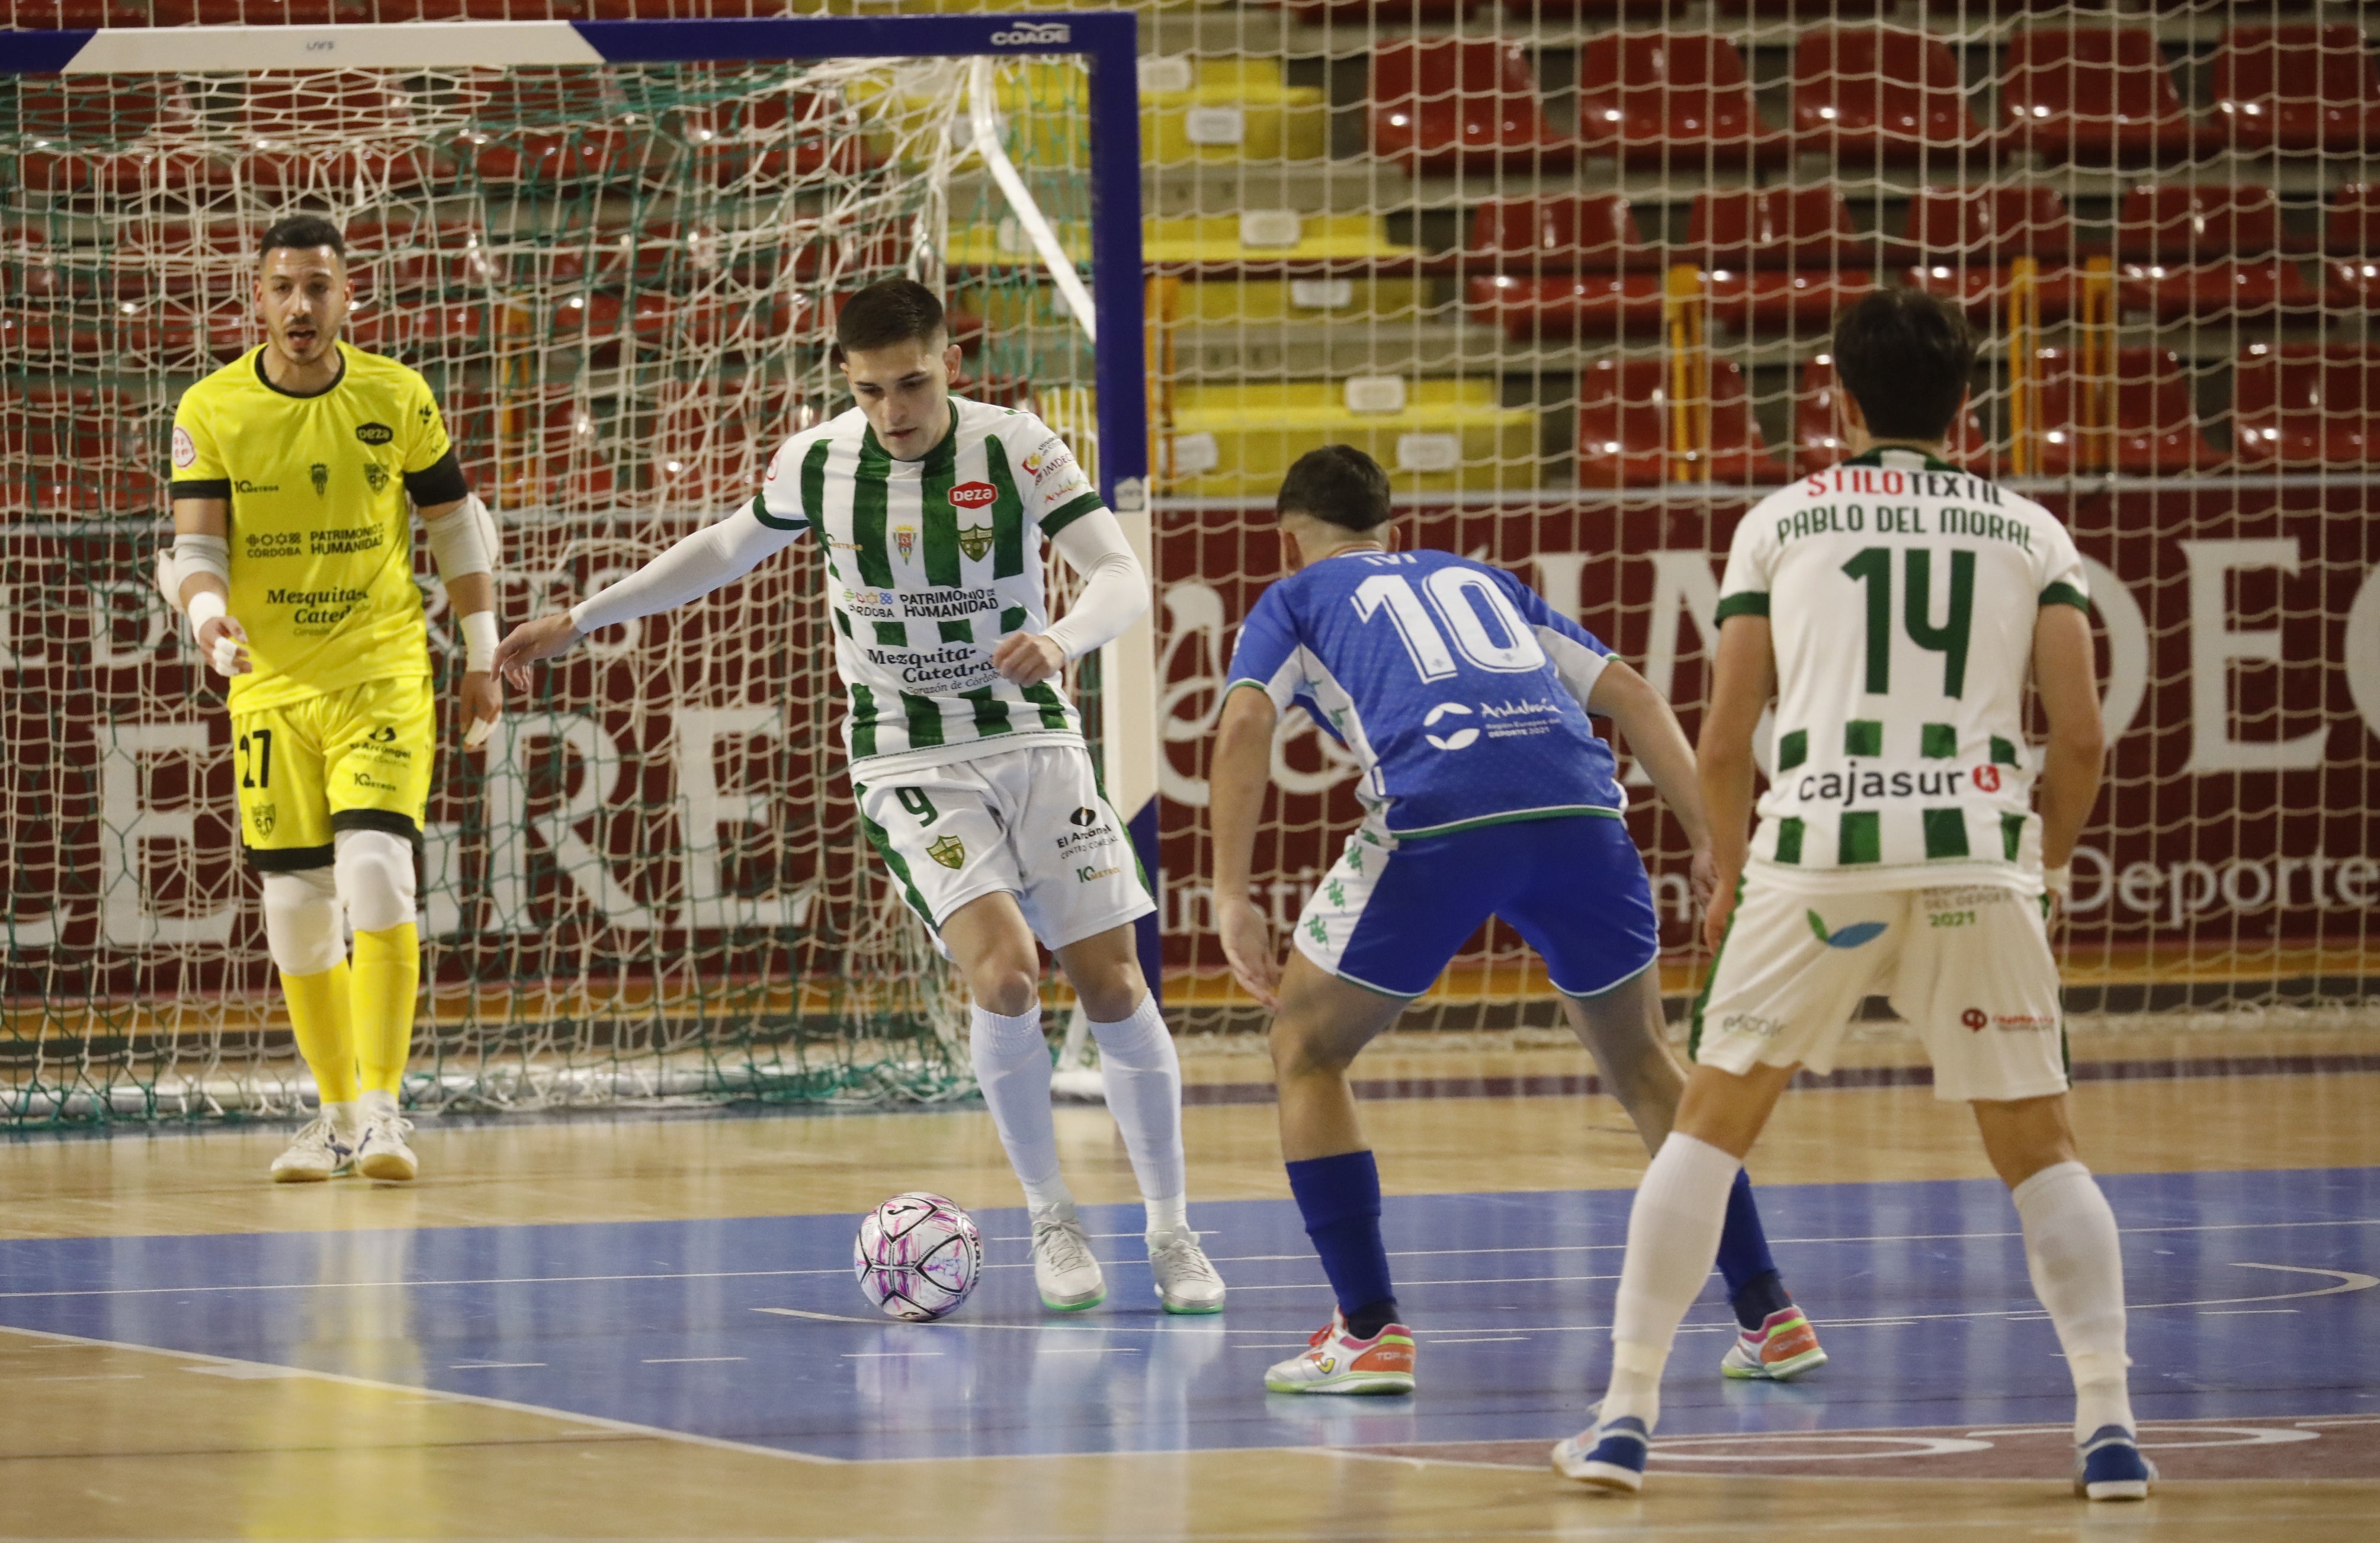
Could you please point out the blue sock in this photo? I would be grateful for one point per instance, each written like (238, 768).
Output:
(1754, 1289)
(1339, 1198)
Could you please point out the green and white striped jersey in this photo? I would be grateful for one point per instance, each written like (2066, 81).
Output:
(930, 564)
(1902, 594)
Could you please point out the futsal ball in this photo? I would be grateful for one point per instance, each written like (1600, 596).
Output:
(918, 1256)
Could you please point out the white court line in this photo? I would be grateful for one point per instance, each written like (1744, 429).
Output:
(493, 1366)
(2349, 1281)
(892, 1356)
(2244, 1312)
(1226, 1259)
(689, 1360)
(597, 1422)
(1487, 1339)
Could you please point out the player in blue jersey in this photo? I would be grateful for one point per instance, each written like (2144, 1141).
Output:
(1465, 699)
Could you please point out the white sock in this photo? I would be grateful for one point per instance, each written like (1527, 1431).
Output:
(345, 1119)
(1011, 1063)
(1143, 1077)
(1672, 1241)
(2070, 1249)
(1167, 1216)
(372, 1102)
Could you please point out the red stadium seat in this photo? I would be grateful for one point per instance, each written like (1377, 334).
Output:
(1558, 232)
(1439, 105)
(1964, 239)
(1659, 98)
(1817, 443)
(1828, 9)
(2100, 94)
(44, 16)
(1872, 94)
(1775, 227)
(1356, 12)
(99, 133)
(2155, 429)
(1624, 420)
(1566, 265)
(2306, 405)
(2351, 238)
(2208, 251)
(381, 143)
(2324, 97)
(1774, 257)
(259, 13)
(542, 447)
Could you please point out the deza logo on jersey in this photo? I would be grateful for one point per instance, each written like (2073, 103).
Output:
(375, 433)
(1459, 738)
(973, 495)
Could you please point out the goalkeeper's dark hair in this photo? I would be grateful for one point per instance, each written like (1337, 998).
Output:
(1338, 484)
(886, 312)
(1906, 358)
(303, 232)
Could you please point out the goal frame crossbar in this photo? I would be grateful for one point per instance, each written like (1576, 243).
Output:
(1108, 41)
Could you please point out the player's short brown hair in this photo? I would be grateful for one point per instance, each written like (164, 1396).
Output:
(1338, 484)
(303, 232)
(886, 312)
(1906, 358)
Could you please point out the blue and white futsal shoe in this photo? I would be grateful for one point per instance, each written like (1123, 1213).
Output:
(2110, 1467)
(319, 1151)
(1616, 1459)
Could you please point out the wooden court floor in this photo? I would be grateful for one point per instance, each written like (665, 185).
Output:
(155, 1416)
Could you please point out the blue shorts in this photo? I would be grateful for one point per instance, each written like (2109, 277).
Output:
(1392, 913)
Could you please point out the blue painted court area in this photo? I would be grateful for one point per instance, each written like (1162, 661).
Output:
(2251, 1297)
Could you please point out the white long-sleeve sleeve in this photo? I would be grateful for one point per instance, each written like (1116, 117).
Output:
(716, 555)
(1115, 587)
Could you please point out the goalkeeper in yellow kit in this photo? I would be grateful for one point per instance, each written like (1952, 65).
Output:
(293, 557)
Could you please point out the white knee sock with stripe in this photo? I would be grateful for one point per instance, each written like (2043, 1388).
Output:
(2072, 1251)
(1011, 1063)
(1672, 1242)
(1142, 1077)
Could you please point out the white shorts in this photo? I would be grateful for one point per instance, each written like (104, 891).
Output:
(1968, 967)
(1032, 822)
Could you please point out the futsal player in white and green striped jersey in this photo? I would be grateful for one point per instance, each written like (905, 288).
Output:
(1911, 840)
(973, 777)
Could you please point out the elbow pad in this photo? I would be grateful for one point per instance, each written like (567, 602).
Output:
(464, 541)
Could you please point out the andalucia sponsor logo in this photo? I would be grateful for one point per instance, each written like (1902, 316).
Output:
(949, 851)
(1853, 936)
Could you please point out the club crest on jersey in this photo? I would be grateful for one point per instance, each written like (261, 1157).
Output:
(263, 817)
(973, 495)
(949, 851)
(904, 540)
(376, 474)
(975, 541)
(321, 476)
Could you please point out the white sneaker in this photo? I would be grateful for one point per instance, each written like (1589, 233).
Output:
(316, 1153)
(1186, 1281)
(380, 1151)
(1068, 1277)
(1337, 1361)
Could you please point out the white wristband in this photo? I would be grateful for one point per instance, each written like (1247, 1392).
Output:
(480, 641)
(2059, 881)
(205, 606)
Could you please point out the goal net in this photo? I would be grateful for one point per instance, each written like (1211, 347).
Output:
(1568, 269)
(616, 254)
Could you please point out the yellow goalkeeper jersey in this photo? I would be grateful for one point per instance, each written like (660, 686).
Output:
(322, 541)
